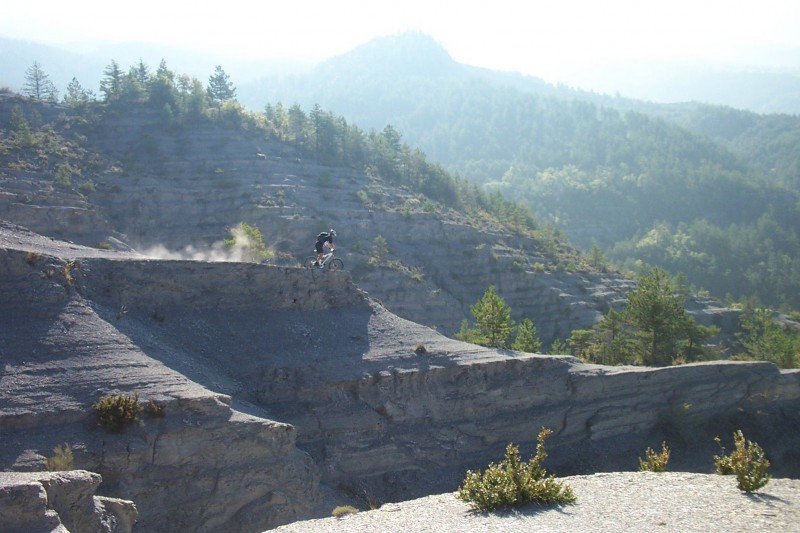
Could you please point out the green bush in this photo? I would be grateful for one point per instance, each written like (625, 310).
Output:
(32, 258)
(513, 482)
(116, 411)
(61, 459)
(655, 462)
(747, 462)
(343, 510)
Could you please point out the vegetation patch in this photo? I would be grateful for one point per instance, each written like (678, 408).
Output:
(655, 461)
(61, 460)
(343, 510)
(513, 483)
(32, 258)
(747, 462)
(116, 411)
(154, 409)
(494, 327)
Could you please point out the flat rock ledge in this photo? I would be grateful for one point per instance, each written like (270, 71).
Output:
(606, 502)
(60, 502)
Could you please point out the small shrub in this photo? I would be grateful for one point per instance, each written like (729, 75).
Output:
(655, 462)
(153, 409)
(61, 460)
(420, 348)
(343, 510)
(70, 279)
(513, 483)
(116, 411)
(32, 258)
(747, 462)
(87, 186)
(63, 176)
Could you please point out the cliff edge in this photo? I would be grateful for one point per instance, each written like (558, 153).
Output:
(280, 390)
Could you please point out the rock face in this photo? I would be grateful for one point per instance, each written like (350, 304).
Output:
(191, 458)
(60, 502)
(272, 383)
(265, 388)
(180, 189)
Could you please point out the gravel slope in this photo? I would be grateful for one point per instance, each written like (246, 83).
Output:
(608, 502)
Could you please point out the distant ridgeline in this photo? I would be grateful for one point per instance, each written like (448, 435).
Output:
(149, 132)
(708, 191)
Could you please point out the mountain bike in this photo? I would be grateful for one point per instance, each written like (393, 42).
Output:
(328, 261)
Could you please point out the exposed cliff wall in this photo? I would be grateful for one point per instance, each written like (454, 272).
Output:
(178, 188)
(60, 501)
(274, 380)
(198, 463)
(417, 425)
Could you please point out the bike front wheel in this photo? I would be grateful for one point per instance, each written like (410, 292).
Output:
(336, 264)
(309, 261)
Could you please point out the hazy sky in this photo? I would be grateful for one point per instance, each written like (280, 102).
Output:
(550, 38)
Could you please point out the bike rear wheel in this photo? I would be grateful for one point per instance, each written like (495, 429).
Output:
(336, 264)
(309, 261)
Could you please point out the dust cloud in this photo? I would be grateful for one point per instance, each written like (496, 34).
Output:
(239, 249)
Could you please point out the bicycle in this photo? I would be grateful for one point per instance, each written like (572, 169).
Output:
(332, 263)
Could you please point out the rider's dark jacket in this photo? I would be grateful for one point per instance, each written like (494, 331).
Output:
(321, 240)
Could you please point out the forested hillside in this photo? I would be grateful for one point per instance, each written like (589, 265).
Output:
(164, 160)
(707, 191)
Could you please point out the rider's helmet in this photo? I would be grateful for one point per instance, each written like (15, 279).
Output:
(332, 233)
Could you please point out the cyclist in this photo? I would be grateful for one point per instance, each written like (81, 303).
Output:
(324, 239)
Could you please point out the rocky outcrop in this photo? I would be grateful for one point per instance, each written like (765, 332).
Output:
(267, 382)
(64, 502)
(179, 190)
(416, 426)
(263, 385)
(193, 459)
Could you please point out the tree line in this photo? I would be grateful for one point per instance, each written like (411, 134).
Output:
(183, 101)
(652, 329)
(604, 170)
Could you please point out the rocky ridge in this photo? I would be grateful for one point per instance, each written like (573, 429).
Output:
(60, 502)
(176, 191)
(285, 389)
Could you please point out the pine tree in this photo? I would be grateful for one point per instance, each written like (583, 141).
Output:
(611, 343)
(580, 343)
(493, 322)
(765, 340)
(297, 124)
(658, 316)
(163, 92)
(526, 340)
(220, 88)
(76, 94)
(38, 84)
(20, 129)
(111, 84)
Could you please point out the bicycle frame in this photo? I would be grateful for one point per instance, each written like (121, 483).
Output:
(326, 258)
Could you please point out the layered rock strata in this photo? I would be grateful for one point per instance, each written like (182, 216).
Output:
(63, 502)
(274, 380)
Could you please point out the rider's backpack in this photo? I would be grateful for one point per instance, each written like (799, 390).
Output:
(322, 236)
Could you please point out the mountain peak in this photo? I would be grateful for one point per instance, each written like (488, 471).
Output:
(407, 53)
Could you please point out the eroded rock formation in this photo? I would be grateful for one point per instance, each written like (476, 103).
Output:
(60, 502)
(276, 382)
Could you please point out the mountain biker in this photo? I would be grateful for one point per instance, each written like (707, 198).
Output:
(324, 239)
